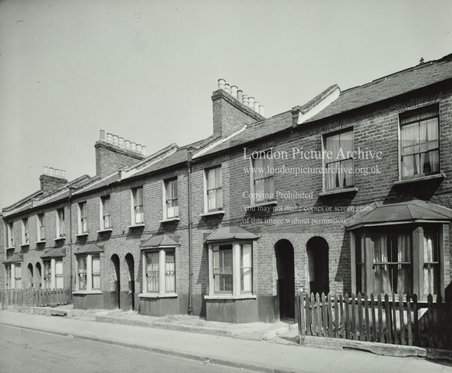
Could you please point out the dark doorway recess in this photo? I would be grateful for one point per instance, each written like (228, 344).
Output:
(317, 249)
(117, 280)
(38, 269)
(286, 279)
(130, 265)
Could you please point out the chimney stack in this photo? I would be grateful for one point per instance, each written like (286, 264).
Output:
(52, 179)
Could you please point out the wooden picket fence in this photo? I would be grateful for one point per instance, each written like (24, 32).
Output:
(394, 319)
(34, 297)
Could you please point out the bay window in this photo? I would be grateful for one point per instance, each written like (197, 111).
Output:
(53, 273)
(17, 276)
(13, 273)
(88, 272)
(159, 272)
(419, 148)
(231, 269)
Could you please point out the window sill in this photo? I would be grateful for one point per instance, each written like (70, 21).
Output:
(441, 176)
(339, 191)
(106, 230)
(261, 204)
(85, 292)
(139, 225)
(229, 297)
(169, 220)
(157, 296)
(25, 245)
(10, 247)
(213, 213)
(40, 242)
(82, 234)
(59, 238)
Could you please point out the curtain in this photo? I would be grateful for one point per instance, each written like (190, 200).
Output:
(214, 193)
(59, 274)
(152, 272)
(381, 272)
(47, 274)
(246, 270)
(410, 140)
(139, 218)
(18, 276)
(430, 263)
(81, 264)
(403, 270)
(170, 273)
(96, 272)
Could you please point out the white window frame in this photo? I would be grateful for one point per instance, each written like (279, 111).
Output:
(40, 226)
(162, 252)
(133, 213)
(89, 273)
(102, 215)
(79, 218)
(253, 199)
(13, 278)
(324, 161)
(8, 276)
(25, 232)
(165, 199)
(60, 234)
(237, 292)
(206, 190)
(53, 275)
(9, 235)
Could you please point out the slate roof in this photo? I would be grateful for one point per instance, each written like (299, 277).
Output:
(16, 258)
(231, 233)
(89, 249)
(397, 84)
(54, 253)
(160, 240)
(408, 212)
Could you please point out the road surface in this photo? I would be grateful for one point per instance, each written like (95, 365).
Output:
(23, 351)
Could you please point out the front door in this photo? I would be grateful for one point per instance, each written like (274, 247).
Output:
(318, 265)
(286, 279)
(117, 286)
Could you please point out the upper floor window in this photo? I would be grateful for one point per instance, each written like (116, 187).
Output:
(41, 228)
(105, 212)
(419, 142)
(60, 228)
(25, 235)
(171, 200)
(262, 183)
(338, 160)
(137, 206)
(82, 218)
(214, 193)
(9, 235)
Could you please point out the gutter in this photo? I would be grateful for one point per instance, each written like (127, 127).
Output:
(70, 241)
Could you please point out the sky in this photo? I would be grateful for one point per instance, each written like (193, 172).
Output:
(146, 70)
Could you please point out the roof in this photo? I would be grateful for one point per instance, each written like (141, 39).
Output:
(161, 240)
(180, 156)
(89, 249)
(390, 86)
(398, 213)
(54, 253)
(230, 234)
(100, 183)
(16, 258)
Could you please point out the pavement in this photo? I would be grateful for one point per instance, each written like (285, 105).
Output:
(263, 356)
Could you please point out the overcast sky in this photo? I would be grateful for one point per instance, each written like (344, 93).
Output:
(145, 70)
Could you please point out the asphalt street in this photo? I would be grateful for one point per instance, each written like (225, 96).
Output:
(24, 351)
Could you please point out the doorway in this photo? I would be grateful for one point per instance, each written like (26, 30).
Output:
(30, 274)
(38, 270)
(117, 280)
(317, 249)
(286, 279)
(130, 265)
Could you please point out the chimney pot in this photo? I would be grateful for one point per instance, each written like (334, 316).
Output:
(133, 146)
(239, 95)
(115, 140)
(143, 150)
(256, 106)
(261, 110)
(221, 83)
(121, 142)
(109, 138)
(251, 102)
(127, 144)
(63, 174)
(102, 135)
(139, 148)
(245, 99)
(227, 88)
(51, 171)
(46, 170)
(234, 91)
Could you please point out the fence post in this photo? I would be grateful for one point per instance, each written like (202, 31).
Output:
(416, 321)
(409, 323)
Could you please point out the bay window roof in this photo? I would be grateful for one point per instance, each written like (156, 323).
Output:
(230, 234)
(415, 211)
(160, 240)
(16, 258)
(54, 253)
(89, 249)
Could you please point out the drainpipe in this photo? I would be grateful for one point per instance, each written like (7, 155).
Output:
(70, 241)
(190, 269)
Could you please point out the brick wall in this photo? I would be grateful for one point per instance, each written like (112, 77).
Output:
(111, 158)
